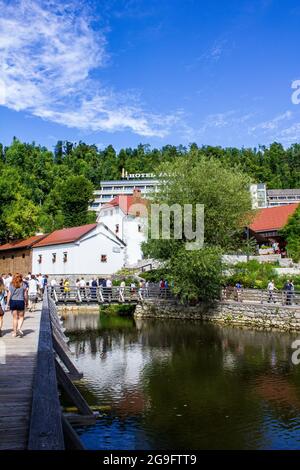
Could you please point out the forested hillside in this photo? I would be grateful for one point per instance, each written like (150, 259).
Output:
(44, 190)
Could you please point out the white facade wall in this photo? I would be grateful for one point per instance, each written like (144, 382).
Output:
(83, 256)
(133, 238)
(132, 231)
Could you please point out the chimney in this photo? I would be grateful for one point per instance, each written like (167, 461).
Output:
(137, 193)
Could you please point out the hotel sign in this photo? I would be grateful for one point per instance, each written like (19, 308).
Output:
(131, 176)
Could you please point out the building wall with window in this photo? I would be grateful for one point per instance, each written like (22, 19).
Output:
(98, 252)
(125, 216)
(111, 189)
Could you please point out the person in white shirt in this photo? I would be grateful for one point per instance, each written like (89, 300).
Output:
(122, 288)
(32, 292)
(108, 289)
(7, 280)
(271, 288)
(82, 286)
(53, 283)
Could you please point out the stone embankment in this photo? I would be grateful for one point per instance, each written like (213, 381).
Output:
(235, 313)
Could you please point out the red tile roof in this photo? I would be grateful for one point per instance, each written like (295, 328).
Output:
(272, 218)
(128, 204)
(66, 235)
(27, 243)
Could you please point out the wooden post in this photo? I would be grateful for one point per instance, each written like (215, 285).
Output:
(74, 372)
(71, 390)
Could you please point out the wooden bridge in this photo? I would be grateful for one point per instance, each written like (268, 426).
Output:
(123, 295)
(106, 295)
(32, 370)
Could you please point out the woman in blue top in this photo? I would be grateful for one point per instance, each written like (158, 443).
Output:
(17, 300)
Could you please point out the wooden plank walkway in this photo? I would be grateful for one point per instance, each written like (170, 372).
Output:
(17, 369)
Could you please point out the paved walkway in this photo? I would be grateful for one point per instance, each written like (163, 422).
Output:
(17, 365)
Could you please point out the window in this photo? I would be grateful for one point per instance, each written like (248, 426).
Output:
(23, 255)
(111, 212)
(137, 213)
(65, 257)
(53, 257)
(103, 258)
(12, 256)
(3, 257)
(117, 228)
(39, 259)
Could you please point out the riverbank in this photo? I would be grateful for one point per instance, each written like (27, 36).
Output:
(285, 318)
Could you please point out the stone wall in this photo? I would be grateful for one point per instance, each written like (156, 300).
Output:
(266, 316)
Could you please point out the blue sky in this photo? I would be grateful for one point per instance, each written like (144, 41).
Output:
(125, 72)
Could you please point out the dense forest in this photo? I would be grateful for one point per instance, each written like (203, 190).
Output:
(42, 190)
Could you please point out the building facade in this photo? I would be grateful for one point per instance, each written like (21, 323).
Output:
(126, 216)
(125, 187)
(91, 249)
(16, 257)
(282, 197)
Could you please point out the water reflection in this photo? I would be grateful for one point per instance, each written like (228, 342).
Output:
(179, 384)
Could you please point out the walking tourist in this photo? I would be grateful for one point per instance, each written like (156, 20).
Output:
(16, 301)
(161, 286)
(238, 291)
(53, 284)
(288, 292)
(82, 286)
(94, 286)
(122, 287)
(292, 291)
(45, 282)
(7, 280)
(32, 292)
(2, 303)
(66, 285)
(132, 288)
(271, 288)
(109, 288)
(40, 285)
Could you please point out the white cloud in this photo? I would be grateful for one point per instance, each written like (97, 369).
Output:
(274, 123)
(227, 119)
(48, 52)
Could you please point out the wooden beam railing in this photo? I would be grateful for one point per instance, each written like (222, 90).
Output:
(46, 431)
(50, 429)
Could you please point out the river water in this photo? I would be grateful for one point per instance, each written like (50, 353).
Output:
(173, 384)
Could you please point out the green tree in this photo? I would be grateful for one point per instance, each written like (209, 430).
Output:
(227, 210)
(20, 219)
(74, 196)
(291, 232)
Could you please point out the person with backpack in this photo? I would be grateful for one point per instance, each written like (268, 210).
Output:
(17, 300)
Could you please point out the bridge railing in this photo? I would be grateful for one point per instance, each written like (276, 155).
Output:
(263, 296)
(102, 295)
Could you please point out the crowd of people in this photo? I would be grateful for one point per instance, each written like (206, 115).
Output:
(18, 292)
(88, 288)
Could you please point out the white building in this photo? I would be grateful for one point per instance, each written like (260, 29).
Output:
(282, 197)
(126, 217)
(91, 249)
(258, 195)
(144, 182)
